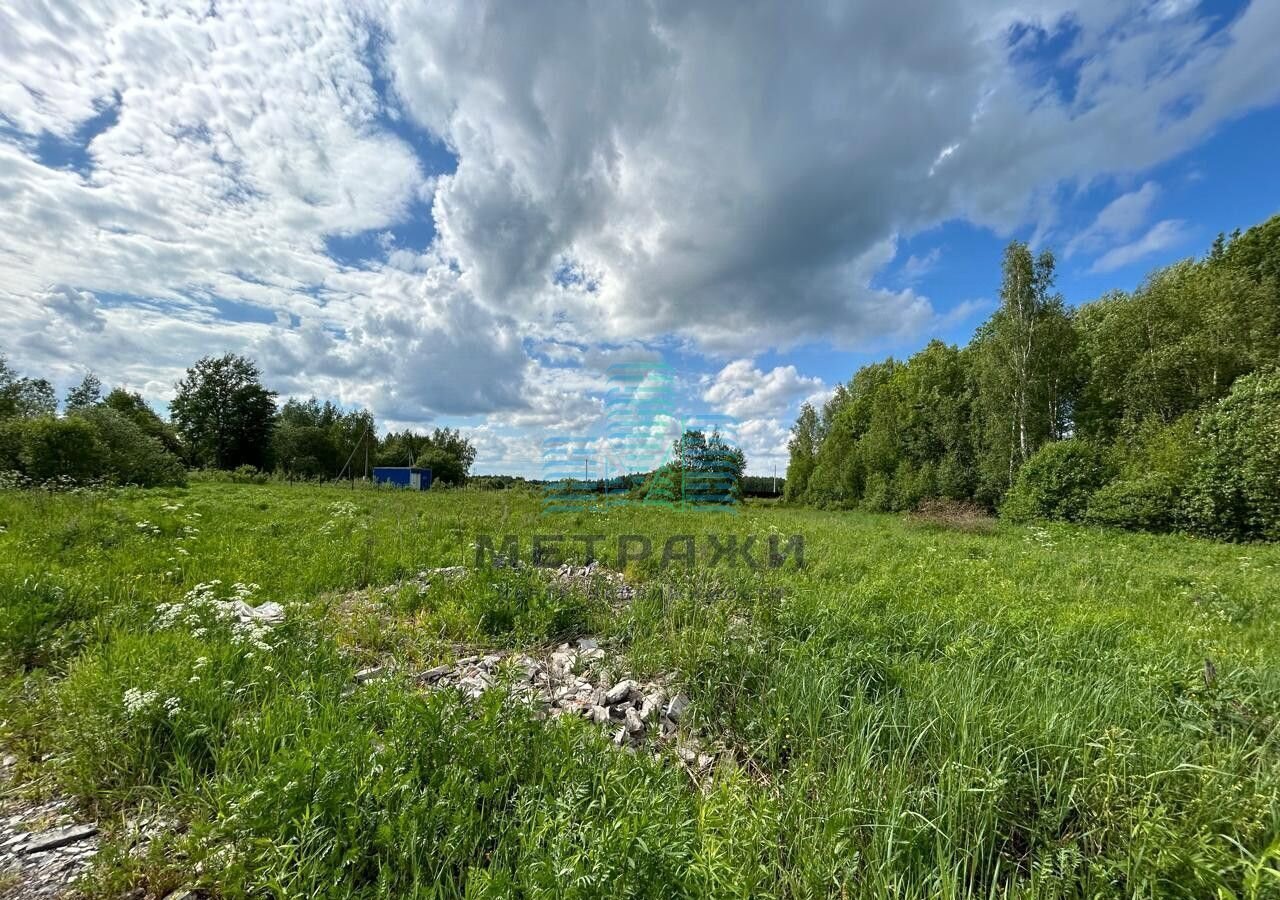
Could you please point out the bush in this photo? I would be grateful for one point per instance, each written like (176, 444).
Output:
(11, 445)
(1148, 502)
(958, 515)
(1056, 482)
(1155, 464)
(66, 449)
(132, 456)
(1235, 492)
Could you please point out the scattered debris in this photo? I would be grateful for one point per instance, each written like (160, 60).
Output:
(43, 849)
(451, 573)
(269, 613)
(373, 672)
(591, 578)
(574, 679)
(423, 580)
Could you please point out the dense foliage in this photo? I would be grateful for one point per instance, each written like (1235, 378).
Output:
(224, 419)
(224, 414)
(1147, 410)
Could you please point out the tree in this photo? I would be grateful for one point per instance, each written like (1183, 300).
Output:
(136, 410)
(704, 470)
(455, 452)
(26, 398)
(1026, 369)
(8, 401)
(84, 395)
(61, 449)
(1108, 391)
(224, 414)
(803, 449)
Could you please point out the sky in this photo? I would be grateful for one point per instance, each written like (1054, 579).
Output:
(490, 215)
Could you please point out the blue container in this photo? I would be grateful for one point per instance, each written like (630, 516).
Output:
(411, 477)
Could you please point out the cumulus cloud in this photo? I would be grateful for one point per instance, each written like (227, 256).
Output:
(745, 392)
(732, 176)
(764, 441)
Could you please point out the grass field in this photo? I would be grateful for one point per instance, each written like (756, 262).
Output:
(919, 711)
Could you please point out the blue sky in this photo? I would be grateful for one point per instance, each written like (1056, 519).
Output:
(467, 215)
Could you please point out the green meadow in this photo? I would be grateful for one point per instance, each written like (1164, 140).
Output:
(925, 708)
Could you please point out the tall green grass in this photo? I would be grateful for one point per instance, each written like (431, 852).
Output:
(916, 713)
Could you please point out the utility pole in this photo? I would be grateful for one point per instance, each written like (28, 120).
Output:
(775, 478)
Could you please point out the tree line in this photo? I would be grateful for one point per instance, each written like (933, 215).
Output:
(1157, 409)
(222, 417)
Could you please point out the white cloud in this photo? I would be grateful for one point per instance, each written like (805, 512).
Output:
(745, 392)
(1117, 221)
(1163, 235)
(732, 177)
(916, 267)
(764, 441)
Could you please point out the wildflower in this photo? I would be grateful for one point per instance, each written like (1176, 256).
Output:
(136, 701)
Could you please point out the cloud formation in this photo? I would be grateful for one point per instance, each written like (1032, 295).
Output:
(720, 179)
(1162, 236)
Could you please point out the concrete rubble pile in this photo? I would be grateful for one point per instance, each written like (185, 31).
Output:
(575, 679)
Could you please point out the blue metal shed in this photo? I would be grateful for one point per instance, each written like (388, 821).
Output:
(412, 477)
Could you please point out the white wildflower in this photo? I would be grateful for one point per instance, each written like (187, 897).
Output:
(136, 701)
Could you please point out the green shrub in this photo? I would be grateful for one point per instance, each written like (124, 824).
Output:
(11, 445)
(878, 495)
(1056, 482)
(1155, 463)
(1148, 502)
(65, 449)
(1235, 492)
(132, 456)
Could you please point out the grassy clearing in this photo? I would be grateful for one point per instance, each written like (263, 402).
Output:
(921, 711)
